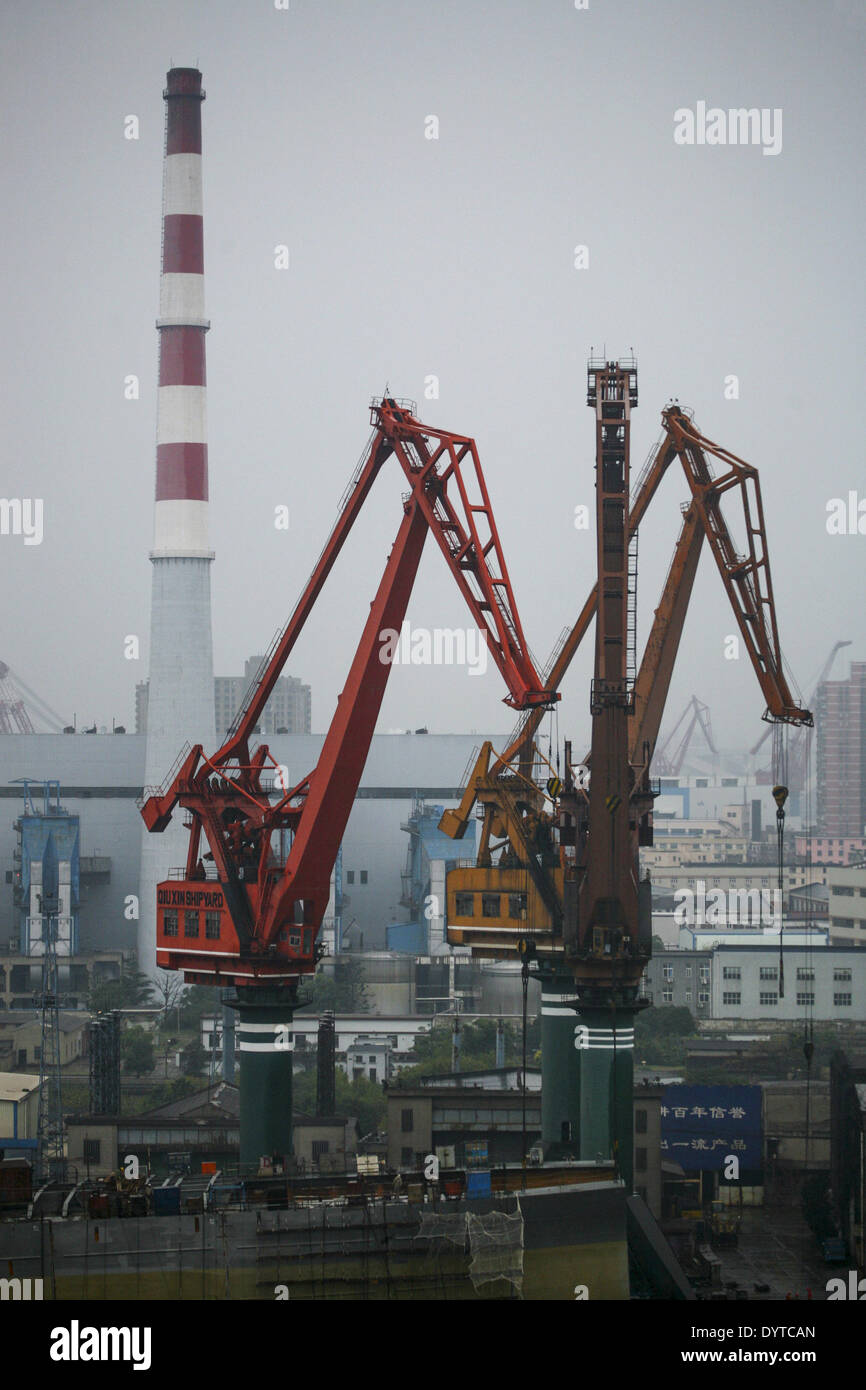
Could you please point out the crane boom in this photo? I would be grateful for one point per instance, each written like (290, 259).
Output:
(263, 905)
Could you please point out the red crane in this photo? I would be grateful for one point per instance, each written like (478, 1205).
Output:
(260, 904)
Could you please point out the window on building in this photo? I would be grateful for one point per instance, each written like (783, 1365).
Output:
(805, 974)
(688, 996)
(407, 1158)
(688, 972)
(731, 972)
(320, 1146)
(212, 926)
(640, 1122)
(806, 998)
(489, 904)
(731, 997)
(640, 1162)
(843, 1000)
(517, 906)
(703, 996)
(705, 974)
(464, 904)
(169, 924)
(363, 875)
(190, 924)
(407, 1121)
(768, 997)
(842, 975)
(92, 1149)
(350, 875)
(667, 996)
(769, 972)
(667, 972)
(357, 1073)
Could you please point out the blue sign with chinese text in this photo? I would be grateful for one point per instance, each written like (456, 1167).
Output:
(702, 1124)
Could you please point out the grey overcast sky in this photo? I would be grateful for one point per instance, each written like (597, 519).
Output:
(412, 257)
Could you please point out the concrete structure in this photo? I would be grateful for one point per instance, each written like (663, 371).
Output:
(369, 1058)
(647, 1146)
(830, 849)
(19, 1113)
(740, 980)
(288, 711)
(742, 877)
(21, 1039)
(847, 905)
(180, 703)
(399, 1033)
(424, 1118)
(848, 1150)
(46, 878)
(21, 977)
(494, 1079)
(199, 1128)
(830, 982)
(429, 856)
(840, 726)
(681, 978)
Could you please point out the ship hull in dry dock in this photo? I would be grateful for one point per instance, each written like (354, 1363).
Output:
(540, 1244)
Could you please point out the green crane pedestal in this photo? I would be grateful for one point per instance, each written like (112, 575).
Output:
(606, 1065)
(265, 1049)
(560, 1064)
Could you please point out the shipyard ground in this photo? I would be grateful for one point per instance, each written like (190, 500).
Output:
(776, 1252)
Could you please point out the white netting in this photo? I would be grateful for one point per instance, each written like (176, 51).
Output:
(496, 1247)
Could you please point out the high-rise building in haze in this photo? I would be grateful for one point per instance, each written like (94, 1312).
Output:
(288, 710)
(840, 723)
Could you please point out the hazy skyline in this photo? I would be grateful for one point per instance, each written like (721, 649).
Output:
(409, 258)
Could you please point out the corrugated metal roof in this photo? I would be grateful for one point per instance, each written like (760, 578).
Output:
(14, 1086)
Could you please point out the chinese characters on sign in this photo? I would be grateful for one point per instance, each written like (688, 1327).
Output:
(700, 1124)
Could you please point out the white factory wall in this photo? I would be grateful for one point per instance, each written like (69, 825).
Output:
(111, 767)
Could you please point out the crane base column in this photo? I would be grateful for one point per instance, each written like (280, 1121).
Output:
(560, 1064)
(604, 1043)
(265, 1052)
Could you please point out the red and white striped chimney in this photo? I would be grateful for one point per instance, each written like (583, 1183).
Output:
(181, 520)
(180, 702)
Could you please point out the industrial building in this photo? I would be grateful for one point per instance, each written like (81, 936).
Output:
(288, 710)
(102, 777)
(847, 904)
(741, 981)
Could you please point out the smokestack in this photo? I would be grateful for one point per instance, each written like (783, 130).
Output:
(326, 1081)
(180, 705)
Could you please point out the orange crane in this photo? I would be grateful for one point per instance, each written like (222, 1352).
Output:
(510, 788)
(557, 873)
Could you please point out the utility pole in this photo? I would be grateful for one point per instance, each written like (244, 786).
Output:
(51, 1152)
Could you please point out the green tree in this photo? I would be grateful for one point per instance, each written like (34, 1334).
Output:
(363, 1099)
(197, 1001)
(194, 1060)
(131, 990)
(136, 1049)
(351, 989)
